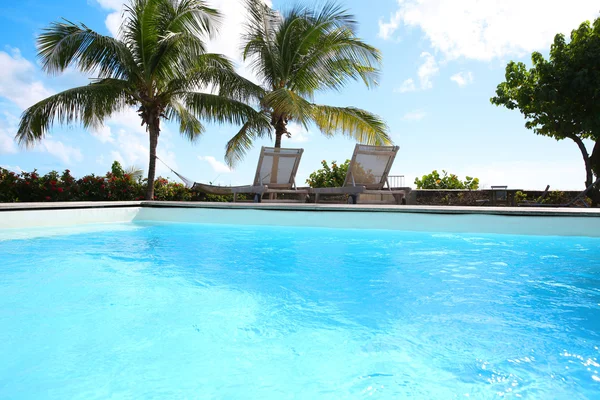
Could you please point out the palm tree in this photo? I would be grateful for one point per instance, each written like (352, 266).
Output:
(295, 55)
(158, 63)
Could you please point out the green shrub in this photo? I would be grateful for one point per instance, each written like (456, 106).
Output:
(520, 197)
(327, 176)
(116, 185)
(445, 181)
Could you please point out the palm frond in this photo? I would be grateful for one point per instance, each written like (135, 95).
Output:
(219, 109)
(65, 43)
(284, 102)
(189, 125)
(135, 172)
(238, 146)
(361, 125)
(182, 27)
(89, 104)
(140, 31)
(258, 42)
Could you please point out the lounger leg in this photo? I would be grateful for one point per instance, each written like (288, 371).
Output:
(353, 198)
(258, 197)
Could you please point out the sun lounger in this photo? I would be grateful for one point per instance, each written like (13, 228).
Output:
(275, 174)
(367, 175)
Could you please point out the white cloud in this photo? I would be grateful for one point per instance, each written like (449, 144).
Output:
(13, 168)
(387, 29)
(484, 30)
(103, 134)
(462, 78)
(65, 153)
(113, 20)
(299, 134)
(416, 115)
(17, 82)
(216, 165)
(8, 127)
(427, 70)
(407, 86)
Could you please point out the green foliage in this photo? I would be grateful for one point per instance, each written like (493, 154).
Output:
(297, 53)
(445, 181)
(329, 176)
(169, 191)
(520, 197)
(559, 96)
(116, 185)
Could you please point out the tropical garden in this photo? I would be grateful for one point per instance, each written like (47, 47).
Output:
(159, 65)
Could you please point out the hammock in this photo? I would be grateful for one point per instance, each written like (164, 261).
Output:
(200, 187)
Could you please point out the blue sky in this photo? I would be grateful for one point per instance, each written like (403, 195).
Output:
(442, 62)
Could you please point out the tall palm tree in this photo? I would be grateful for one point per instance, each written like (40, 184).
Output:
(158, 63)
(296, 54)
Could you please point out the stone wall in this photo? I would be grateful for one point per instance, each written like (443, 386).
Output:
(469, 197)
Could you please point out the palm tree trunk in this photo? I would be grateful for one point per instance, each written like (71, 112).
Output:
(154, 131)
(280, 130)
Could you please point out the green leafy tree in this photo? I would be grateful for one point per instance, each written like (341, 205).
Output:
(560, 96)
(445, 181)
(296, 54)
(158, 63)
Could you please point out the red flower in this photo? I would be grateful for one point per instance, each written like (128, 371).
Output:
(60, 190)
(47, 198)
(53, 183)
(34, 176)
(102, 187)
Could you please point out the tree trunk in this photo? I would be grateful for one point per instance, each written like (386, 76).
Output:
(594, 159)
(280, 130)
(589, 178)
(592, 167)
(153, 131)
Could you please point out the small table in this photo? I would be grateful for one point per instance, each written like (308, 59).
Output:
(502, 195)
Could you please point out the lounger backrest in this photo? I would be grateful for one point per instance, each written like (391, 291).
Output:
(277, 167)
(370, 166)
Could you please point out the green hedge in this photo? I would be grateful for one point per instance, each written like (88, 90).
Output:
(116, 185)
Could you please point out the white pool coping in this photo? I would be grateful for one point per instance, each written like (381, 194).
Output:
(503, 220)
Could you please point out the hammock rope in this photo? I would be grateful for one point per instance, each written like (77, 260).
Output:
(187, 182)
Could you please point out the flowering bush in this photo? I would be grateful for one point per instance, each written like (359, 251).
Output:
(116, 185)
(435, 181)
(327, 176)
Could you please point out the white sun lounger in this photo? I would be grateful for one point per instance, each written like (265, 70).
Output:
(275, 174)
(367, 174)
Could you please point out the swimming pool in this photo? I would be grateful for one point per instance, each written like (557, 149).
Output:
(149, 309)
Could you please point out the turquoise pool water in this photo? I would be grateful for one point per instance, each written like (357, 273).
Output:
(149, 310)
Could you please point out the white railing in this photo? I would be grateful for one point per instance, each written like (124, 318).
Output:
(396, 180)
